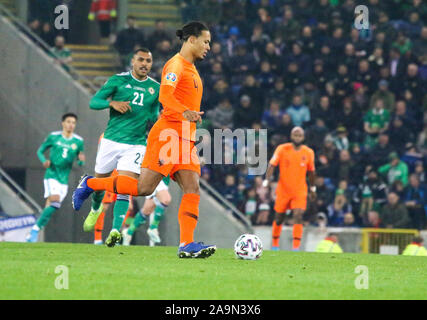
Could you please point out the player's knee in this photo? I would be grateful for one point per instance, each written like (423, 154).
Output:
(54, 198)
(280, 218)
(194, 188)
(145, 189)
(165, 200)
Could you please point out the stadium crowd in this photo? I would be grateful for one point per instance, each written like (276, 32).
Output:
(360, 95)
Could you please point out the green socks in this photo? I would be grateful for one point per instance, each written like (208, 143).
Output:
(45, 216)
(97, 197)
(120, 208)
(158, 215)
(140, 219)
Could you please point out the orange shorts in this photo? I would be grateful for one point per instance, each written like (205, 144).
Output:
(171, 155)
(109, 197)
(286, 201)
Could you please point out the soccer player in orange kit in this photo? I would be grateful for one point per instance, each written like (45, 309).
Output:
(181, 92)
(295, 161)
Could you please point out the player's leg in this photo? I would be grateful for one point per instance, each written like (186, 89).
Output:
(99, 225)
(55, 193)
(140, 218)
(97, 206)
(162, 200)
(298, 206)
(188, 215)
(280, 207)
(119, 212)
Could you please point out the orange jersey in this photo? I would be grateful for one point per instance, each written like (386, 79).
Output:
(181, 89)
(293, 165)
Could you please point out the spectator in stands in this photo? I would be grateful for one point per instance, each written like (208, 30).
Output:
(394, 214)
(263, 215)
(127, 39)
(341, 139)
(245, 115)
(399, 134)
(34, 26)
(158, 35)
(394, 170)
(221, 116)
(324, 112)
(229, 191)
(279, 92)
(62, 55)
(338, 209)
(104, 11)
(371, 193)
(287, 26)
(349, 221)
(250, 205)
(343, 170)
(412, 82)
(272, 117)
(373, 220)
(376, 121)
(300, 114)
(324, 194)
(316, 134)
(416, 202)
(378, 155)
(47, 34)
(285, 127)
(383, 94)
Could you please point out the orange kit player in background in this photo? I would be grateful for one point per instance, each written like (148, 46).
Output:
(295, 162)
(181, 92)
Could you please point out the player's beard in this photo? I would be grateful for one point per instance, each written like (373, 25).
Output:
(297, 144)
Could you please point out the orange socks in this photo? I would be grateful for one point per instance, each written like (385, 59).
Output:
(118, 184)
(99, 226)
(188, 215)
(297, 235)
(277, 230)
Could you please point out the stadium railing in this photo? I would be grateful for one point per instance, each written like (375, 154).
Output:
(85, 82)
(25, 197)
(227, 204)
(388, 241)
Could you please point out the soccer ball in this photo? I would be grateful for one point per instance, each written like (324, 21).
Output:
(248, 247)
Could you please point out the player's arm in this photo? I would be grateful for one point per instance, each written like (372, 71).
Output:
(47, 143)
(100, 100)
(81, 158)
(268, 175)
(311, 174)
(173, 74)
(274, 162)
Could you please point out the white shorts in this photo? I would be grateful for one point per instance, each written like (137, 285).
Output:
(160, 187)
(121, 156)
(53, 187)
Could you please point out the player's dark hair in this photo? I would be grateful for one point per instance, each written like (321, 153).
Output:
(141, 50)
(68, 115)
(193, 28)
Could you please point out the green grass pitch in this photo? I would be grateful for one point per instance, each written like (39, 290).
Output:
(27, 271)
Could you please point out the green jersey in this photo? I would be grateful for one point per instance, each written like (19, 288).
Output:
(63, 152)
(398, 172)
(130, 127)
(377, 118)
